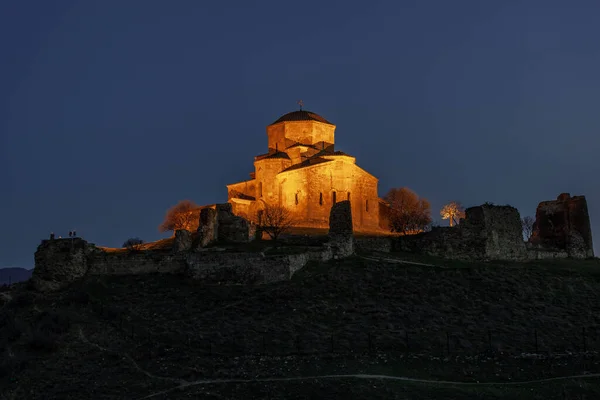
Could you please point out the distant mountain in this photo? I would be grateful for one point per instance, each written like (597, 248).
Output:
(12, 275)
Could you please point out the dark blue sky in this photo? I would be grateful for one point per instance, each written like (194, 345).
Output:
(112, 111)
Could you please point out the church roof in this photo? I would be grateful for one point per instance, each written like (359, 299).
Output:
(307, 163)
(301, 115)
(277, 154)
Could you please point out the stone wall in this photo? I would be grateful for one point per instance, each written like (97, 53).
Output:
(562, 227)
(220, 225)
(488, 232)
(62, 261)
(341, 238)
(374, 243)
(58, 262)
(135, 263)
(242, 268)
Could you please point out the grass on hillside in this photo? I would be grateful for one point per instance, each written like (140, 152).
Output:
(485, 314)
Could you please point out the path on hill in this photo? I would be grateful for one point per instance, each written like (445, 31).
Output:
(367, 376)
(398, 261)
(131, 360)
(183, 384)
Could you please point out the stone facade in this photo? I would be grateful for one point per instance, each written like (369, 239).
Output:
(303, 172)
(562, 229)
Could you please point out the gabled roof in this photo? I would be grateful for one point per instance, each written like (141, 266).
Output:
(277, 154)
(312, 146)
(307, 163)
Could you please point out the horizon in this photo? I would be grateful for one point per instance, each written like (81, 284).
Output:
(104, 130)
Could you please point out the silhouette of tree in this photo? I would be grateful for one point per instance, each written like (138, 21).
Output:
(527, 224)
(133, 244)
(408, 213)
(453, 211)
(183, 215)
(275, 220)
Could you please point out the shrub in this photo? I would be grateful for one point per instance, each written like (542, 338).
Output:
(133, 244)
(77, 296)
(23, 299)
(49, 326)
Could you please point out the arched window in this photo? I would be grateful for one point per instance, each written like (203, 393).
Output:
(259, 189)
(334, 198)
(321, 198)
(296, 198)
(367, 205)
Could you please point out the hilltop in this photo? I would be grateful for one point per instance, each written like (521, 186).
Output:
(13, 275)
(133, 336)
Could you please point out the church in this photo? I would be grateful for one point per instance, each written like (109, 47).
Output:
(303, 172)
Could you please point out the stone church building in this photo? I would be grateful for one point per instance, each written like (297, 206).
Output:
(303, 172)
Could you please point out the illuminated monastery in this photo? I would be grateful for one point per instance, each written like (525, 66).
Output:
(303, 172)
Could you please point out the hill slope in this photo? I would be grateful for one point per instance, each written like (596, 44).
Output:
(13, 275)
(132, 336)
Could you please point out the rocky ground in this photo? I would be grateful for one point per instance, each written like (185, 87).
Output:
(132, 337)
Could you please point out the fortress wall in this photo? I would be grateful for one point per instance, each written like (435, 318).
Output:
(374, 243)
(135, 263)
(242, 268)
(488, 232)
(562, 226)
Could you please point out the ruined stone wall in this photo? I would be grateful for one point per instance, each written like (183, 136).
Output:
(498, 228)
(374, 243)
(307, 185)
(341, 236)
(135, 263)
(562, 226)
(58, 262)
(243, 268)
(61, 262)
(488, 232)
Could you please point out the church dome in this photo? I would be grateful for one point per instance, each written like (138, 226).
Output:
(301, 115)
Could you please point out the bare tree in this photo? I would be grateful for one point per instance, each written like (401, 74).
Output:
(133, 244)
(408, 213)
(527, 224)
(183, 215)
(453, 212)
(275, 220)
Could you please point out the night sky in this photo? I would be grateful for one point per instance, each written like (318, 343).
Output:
(112, 111)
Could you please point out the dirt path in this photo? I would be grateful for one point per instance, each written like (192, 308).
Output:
(366, 376)
(183, 384)
(398, 261)
(131, 360)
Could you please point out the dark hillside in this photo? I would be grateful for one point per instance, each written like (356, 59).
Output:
(128, 337)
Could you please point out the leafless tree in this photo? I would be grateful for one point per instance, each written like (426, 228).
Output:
(527, 224)
(408, 213)
(183, 215)
(453, 212)
(275, 220)
(133, 244)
